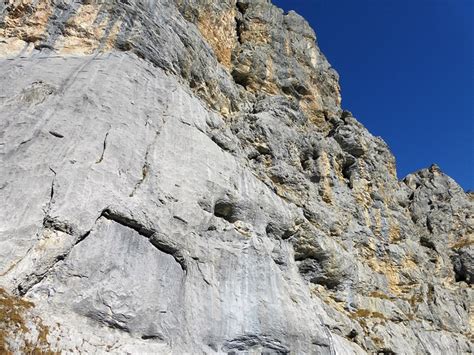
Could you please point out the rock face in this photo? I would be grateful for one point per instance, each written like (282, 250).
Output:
(178, 176)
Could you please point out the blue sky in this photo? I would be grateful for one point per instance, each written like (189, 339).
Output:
(407, 72)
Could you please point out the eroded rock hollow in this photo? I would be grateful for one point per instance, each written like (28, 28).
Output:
(178, 176)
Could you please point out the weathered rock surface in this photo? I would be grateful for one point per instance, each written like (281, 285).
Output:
(178, 176)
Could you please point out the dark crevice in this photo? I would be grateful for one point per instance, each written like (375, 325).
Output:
(82, 237)
(239, 20)
(103, 149)
(159, 240)
(274, 230)
(429, 225)
(128, 222)
(348, 168)
(51, 193)
(385, 352)
(220, 140)
(52, 185)
(238, 29)
(166, 246)
(203, 275)
(246, 342)
(462, 271)
(41, 46)
(314, 268)
(427, 243)
(225, 210)
(241, 78)
(108, 322)
(242, 7)
(26, 141)
(34, 279)
(145, 169)
(315, 178)
(182, 220)
(146, 165)
(54, 224)
(56, 134)
(152, 337)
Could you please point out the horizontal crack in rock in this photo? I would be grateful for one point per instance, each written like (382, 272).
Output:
(159, 240)
(127, 222)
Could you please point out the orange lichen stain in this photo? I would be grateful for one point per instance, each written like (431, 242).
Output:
(112, 36)
(269, 85)
(393, 231)
(312, 107)
(381, 295)
(393, 273)
(12, 47)
(81, 34)
(27, 21)
(282, 189)
(415, 299)
(377, 225)
(14, 316)
(390, 272)
(219, 31)
(366, 313)
(257, 32)
(408, 263)
(463, 242)
(392, 169)
(362, 189)
(324, 167)
(287, 46)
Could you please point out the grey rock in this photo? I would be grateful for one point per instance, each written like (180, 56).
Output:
(172, 187)
(463, 262)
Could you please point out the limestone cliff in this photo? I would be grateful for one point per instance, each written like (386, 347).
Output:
(178, 176)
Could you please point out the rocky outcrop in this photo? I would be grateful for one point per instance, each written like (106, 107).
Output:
(179, 176)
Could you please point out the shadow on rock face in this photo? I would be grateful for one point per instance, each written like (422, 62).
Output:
(226, 210)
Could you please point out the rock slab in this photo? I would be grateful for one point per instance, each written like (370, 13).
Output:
(178, 176)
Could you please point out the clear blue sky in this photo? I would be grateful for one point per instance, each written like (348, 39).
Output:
(407, 72)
